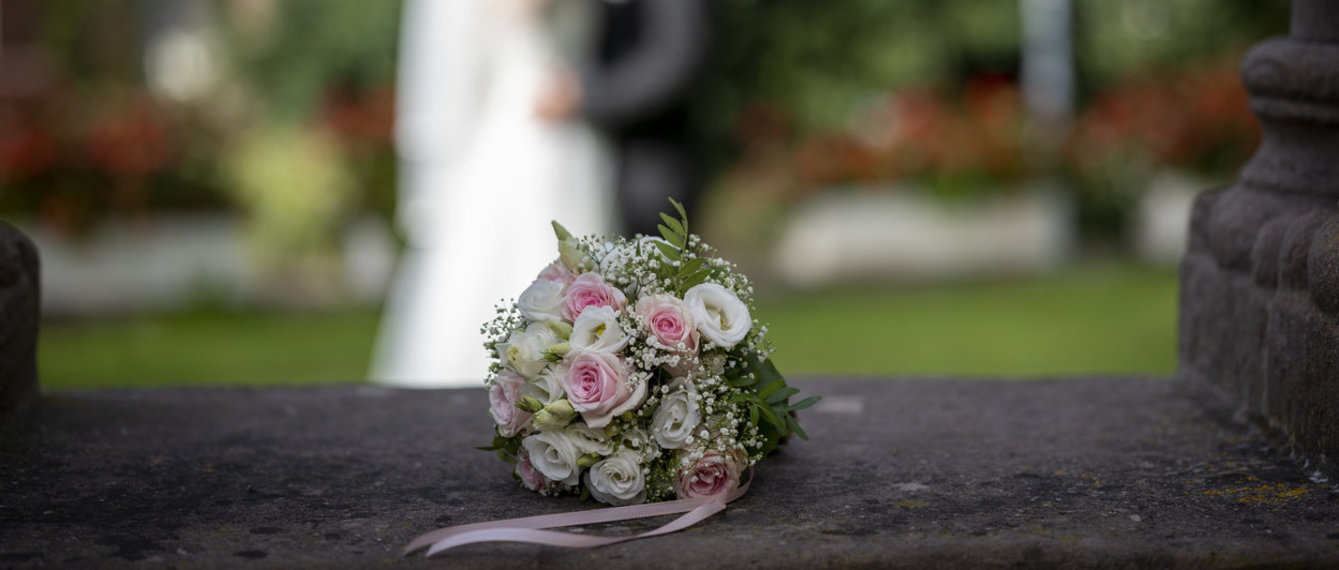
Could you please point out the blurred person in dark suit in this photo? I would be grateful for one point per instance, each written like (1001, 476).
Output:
(635, 87)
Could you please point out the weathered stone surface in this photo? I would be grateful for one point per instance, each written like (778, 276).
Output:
(1259, 316)
(898, 473)
(19, 308)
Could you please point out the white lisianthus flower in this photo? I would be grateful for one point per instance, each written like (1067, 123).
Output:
(614, 256)
(677, 416)
(617, 256)
(524, 349)
(542, 300)
(588, 439)
(547, 386)
(555, 455)
(636, 440)
(597, 329)
(719, 314)
(617, 480)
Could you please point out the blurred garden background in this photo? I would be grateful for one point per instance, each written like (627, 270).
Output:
(212, 183)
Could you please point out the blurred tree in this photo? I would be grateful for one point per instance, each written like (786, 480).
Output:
(292, 53)
(820, 60)
(1115, 40)
(806, 91)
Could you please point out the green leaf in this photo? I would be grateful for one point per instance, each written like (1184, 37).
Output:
(695, 279)
(679, 207)
(753, 415)
(743, 381)
(780, 396)
(795, 427)
(802, 404)
(674, 225)
(499, 442)
(767, 390)
(669, 251)
(766, 372)
(770, 416)
(692, 266)
(670, 236)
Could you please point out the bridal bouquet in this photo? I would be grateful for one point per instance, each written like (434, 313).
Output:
(634, 371)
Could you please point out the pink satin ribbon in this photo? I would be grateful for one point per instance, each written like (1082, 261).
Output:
(532, 529)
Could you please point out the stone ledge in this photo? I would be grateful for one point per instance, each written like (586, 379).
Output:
(1102, 472)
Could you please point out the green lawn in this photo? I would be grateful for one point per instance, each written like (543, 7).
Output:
(257, 348)
(1113, 319)
(1117, 319)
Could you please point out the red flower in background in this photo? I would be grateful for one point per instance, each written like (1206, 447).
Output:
(361, 119)
(128, 139)
(1196, 120)
(921, 133)
(27, 146)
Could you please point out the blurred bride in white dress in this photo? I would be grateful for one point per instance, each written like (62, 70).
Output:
(481, 175)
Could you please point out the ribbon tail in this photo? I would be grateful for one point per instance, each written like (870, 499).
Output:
(530, 529)
(596, 516)
(570, 540)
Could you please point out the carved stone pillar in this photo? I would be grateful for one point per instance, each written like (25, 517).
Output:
(19, 310)
(1259, 313)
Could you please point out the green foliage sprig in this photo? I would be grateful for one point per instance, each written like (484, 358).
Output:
(678, 248)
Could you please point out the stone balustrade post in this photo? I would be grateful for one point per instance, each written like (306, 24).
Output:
(1259, 292)
(19, 312)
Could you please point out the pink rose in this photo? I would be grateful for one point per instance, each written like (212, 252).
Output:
(530, 477)
(589, 290)
(668, 321)
(556, 271)
(712, 475)
(502, 399)
(597, 386)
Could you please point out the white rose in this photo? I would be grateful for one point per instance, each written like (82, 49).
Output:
(524, 350)
(617, 480)
(555, 455)
(589, 439)
(542, 301)
(677, 416)
(597, 329)
(719, 314)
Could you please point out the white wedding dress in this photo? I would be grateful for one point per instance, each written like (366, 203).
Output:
(481, 177)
